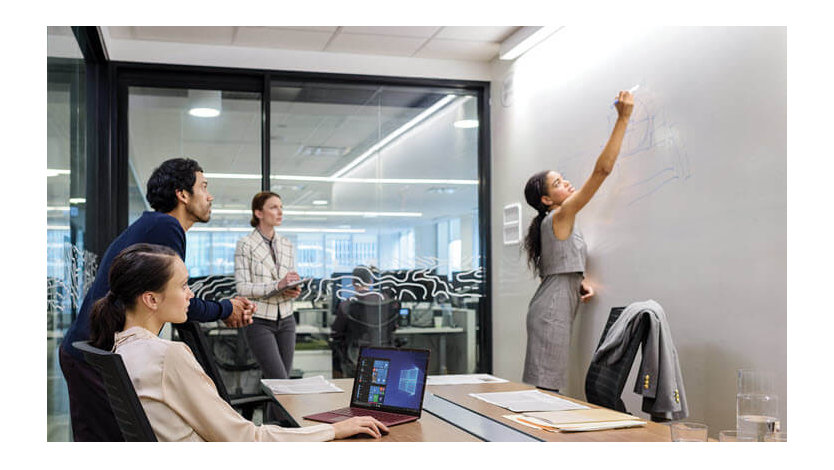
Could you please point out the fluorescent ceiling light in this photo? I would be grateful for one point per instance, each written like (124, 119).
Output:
(400, 131)
(525, 39)
(56, 172)
(319, 202)
(355, 213)
(466, 123)
(77, 200)
(280, 229)
(204, 103)
(332, 179)
(57, 227)
(57, 208)
(327, 213)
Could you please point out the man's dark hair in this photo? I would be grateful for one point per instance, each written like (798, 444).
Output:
(167, 178)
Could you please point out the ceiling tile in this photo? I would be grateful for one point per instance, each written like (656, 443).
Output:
(326, 29)
(190, 34)
(372, 44)
(407, 31)
(282, 38)
(458, 50)
(477, 33)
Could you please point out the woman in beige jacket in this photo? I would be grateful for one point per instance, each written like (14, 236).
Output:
(149, 287)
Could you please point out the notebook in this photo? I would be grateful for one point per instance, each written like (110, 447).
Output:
(389, 386)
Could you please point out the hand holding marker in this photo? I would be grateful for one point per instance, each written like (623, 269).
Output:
(631, 90)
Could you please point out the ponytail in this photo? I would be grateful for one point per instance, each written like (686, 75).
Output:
(108, 317)
(533, 192)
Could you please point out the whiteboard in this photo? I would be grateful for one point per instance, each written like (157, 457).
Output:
(694, 213)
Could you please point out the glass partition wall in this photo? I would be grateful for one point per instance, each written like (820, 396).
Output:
(374, 178)
(380, 192)
(68, 264)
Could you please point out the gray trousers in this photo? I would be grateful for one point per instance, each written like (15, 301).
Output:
(273, 345)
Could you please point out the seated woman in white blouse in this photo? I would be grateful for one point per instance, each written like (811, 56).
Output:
(148, 287)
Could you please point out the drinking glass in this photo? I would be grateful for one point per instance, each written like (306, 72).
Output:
(733, 436)
(757, 405)
(688, 432)
(776, 437)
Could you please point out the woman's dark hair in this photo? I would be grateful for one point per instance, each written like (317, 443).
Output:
(533, 192)
(258, 204)
(138, 268)
(167, 178)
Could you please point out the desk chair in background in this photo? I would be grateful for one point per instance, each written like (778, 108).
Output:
(192, 334)
(604, 383)
(133, 422)
(369, 323)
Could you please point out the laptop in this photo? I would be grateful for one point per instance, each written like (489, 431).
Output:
(389, 386)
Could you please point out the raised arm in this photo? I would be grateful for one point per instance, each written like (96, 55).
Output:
(564, 217)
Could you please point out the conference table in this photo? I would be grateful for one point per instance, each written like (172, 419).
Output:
(450, 414)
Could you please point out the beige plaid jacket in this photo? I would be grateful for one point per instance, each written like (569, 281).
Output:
(257, 276)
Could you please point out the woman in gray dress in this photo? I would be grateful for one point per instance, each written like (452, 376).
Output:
(556, 251)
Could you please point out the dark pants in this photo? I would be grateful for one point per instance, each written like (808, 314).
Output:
(91, 417)
(273, 345)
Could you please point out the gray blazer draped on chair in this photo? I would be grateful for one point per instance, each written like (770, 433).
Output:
(660, 380)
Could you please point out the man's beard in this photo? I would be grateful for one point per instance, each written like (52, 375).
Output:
(201, 218)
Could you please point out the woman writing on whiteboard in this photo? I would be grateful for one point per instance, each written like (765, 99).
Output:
(556, 251)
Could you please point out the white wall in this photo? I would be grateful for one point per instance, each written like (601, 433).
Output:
(694, 214)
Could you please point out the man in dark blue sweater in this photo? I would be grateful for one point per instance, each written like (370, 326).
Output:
(178, 192)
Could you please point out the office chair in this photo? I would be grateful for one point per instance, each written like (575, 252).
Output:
(133, 422)
(605, 382)
(370, 322)
(193, 335)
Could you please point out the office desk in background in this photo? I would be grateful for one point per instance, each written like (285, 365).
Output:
(431, 428)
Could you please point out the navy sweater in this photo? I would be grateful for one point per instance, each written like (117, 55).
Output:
(152, 227)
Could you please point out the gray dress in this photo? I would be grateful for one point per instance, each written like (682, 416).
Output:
(553, 307)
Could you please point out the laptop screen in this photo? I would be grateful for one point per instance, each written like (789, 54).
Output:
(390, 379)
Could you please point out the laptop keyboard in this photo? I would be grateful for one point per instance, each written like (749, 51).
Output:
(380, 415)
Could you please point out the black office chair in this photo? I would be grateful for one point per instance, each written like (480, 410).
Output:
(133, 422)
(192, 334)
(370, 322)
(605, 382)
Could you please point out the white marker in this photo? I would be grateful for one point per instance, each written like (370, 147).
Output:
(631, 90)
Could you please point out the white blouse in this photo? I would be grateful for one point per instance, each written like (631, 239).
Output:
(182, 402)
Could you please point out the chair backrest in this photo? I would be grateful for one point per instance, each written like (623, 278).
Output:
(192, 334)
(126, 406)
(372, 322)
(605, 382)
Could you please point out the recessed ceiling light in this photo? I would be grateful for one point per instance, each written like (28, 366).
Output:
(204, 103)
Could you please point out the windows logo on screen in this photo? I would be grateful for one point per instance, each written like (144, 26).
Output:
(408, 380)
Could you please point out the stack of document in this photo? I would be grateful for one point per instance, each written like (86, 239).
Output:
(317, 384)
(463, 379)
(595, 419)
(528, 400)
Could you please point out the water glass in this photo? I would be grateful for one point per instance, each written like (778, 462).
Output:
(688, 432)
(776, 437)
(757, 405)
(734, 436)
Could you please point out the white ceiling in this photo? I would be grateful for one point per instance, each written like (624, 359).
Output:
(467, 43)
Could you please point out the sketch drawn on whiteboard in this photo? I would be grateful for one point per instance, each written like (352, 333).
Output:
(653, 149)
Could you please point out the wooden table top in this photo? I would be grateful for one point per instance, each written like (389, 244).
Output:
(428, 428)
(459, 394)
